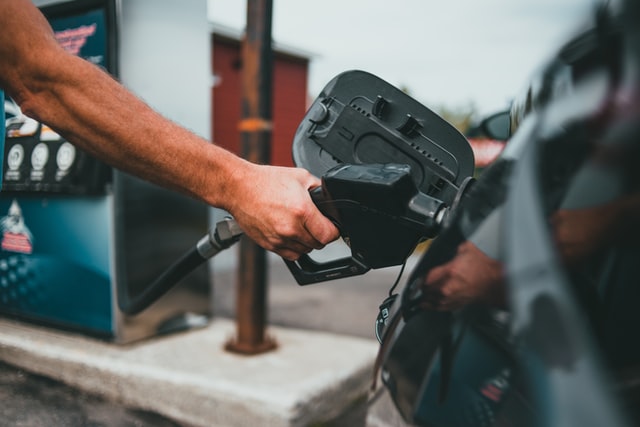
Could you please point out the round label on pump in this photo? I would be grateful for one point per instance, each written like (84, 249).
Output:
(15, 157)
(65, 156)
(40, 156)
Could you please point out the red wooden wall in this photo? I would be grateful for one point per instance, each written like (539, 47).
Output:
(289, 98)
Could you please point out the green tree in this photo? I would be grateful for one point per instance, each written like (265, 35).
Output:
(460, 117)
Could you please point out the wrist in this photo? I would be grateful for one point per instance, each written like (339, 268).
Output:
(226, 175)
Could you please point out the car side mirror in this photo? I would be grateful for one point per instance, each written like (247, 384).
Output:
(497, 126)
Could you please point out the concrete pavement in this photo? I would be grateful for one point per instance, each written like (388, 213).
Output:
(319, 374)
(189, 378)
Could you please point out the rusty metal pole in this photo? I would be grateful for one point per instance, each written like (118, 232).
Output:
(255, 128)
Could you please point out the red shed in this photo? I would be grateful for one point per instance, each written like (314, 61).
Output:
(290, 73)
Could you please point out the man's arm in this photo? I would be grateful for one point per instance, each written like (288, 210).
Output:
(96, 113)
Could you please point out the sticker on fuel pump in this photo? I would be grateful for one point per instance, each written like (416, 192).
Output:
(16, 237)
(39, 159)
(64, 159)
(15, 157)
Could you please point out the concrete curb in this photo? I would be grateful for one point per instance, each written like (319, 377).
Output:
(311, 378)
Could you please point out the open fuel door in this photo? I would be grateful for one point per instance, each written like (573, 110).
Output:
(390, 167)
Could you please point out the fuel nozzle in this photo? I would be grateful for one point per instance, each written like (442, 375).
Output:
(380, 213)
(224, 234)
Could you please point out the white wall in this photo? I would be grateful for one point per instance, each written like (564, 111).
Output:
(165, 58)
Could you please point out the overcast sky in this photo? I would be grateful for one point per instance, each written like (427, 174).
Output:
(448, 52)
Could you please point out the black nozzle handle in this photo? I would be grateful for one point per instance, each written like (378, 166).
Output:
(306, 271)
(324, 203)
(317, 195)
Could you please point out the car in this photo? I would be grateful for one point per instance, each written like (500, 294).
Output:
(488, 138)
(557, 216)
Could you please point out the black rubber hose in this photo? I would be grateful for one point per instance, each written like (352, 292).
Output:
(183, 266)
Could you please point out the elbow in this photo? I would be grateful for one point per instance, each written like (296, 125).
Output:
(22, 92)
(32, 84)
(29, 105)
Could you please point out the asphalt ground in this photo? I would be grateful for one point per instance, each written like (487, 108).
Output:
(346, 306)
(34, 401)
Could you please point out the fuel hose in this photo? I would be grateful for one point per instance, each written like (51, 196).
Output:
(223, 235)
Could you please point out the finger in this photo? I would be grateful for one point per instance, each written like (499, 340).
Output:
(431, 295)
(292, 250)
(313, 182)
(320, 229)
(431, 305)
(436, 275)
(434, 298)
(319, 226)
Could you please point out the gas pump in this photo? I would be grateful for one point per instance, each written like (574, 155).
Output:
(77, 235)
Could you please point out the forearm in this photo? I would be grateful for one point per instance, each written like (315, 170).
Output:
(96, 113)
(93, 111)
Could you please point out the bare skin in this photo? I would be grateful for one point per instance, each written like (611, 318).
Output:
(90, 108)
(473, 277)
(579, 233)
(470, 277)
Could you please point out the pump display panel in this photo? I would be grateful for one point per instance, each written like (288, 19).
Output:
(36, 158)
